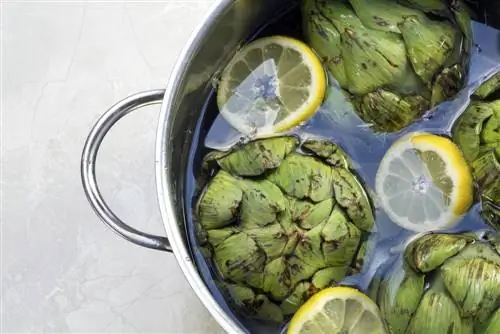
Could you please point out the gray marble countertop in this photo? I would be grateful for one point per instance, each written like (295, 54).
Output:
(64, 64)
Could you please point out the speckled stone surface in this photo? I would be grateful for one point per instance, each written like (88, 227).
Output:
(63, 271)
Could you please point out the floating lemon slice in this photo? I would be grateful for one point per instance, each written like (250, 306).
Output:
(271, 85)
(338, 310)
(424, 183)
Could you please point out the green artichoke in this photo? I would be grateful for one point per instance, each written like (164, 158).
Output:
(281, 221)
(477, 132)
(442, 283)
(396, 59)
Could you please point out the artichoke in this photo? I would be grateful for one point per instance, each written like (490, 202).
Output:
(477, 132)
(396, 59)
(442, 283)
(281, 221)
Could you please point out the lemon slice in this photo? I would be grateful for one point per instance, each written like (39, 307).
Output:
(424, 183)
(338, 310)
(271, 85)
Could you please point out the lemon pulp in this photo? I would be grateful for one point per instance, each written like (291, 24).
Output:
(271, 85)
(424, 183)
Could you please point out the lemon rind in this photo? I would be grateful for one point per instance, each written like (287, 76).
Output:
(317, 302)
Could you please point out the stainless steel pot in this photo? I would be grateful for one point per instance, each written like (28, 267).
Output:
(228, 24)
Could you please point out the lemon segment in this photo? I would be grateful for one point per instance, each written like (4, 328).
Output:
(338, 310)
(424, 183)
(271, 85)
(456, 167)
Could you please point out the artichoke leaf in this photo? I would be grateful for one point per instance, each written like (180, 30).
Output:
(479, 250)
(201, 233)
(285, 219)
(486, 169)
(351, 196)
(418, 102)
(330, 152)
(308, 248)
(382, 14)
(373, 290)
(399, 295)
(495, 106)
(304, 177)
(309, 215)
(491, 131)
(473, 280)
(430, 43)
(374, 287)
(447, 84)
(389, 112)
(491, 214)
(490, 147)
(254, 305)
(293, 240)
(299, 270)
(324, 38)
(262, 203)
(267, 310)
(491, 192)
(308, 6)
(430, 251)
(327, 276)
(291, 232)
(255, 157)
(300, 294)
(240, 294)
(373, 59)
(437, 314)
(466, 132)
(239, 259)
(341, 15)
(464, 22)
(211, 158)
(272, 239)
(474, 284)
(220, 203)
(489, 86)
(276, 279)
(341, 239)
(359, 260)
(202, 237)
(494, 240)
(467, 326)
(487, 173)
(217, 236)
(493, 326)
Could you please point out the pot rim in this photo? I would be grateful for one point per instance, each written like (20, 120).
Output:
(165, 198)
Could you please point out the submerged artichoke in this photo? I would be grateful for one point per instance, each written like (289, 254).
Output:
(477, 132)
(280, 224)
(443, 283)
(396, 59)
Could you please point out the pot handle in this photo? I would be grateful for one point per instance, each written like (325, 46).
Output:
(89, 181)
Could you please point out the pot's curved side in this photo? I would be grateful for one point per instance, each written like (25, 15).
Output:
(228, 24)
